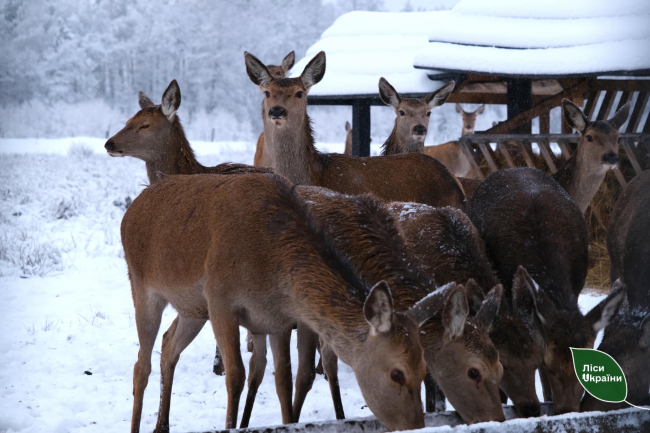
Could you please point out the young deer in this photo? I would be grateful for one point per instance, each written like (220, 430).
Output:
(278, 72)
(451, 249)
(412, 119)
(289, 148)
(155, 135)
(348, 138)
(244, 250)
(527, 219)
(628, 338)
(450, 153)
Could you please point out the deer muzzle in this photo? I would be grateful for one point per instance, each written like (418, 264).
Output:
(610, 158)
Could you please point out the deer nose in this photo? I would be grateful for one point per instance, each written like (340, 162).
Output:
(610, 158)
(109, 145)
(419, 130)
(277, 112)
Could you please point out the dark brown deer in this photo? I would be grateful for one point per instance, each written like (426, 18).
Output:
(412, 119)
(244, 250)
(527, 219)
(628, 339)
(155, 135)
(348, 139)
(289, 148)
(450, 153)
(451, 248)
(278, 72)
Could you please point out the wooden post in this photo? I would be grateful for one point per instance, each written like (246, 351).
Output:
(545, 123)
(519, 99)
(360, 128)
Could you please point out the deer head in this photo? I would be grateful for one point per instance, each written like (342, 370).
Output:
(147, 134)
(566, 328)
(469, 118)
(464, 361)
(285, 99)
(599, 140)
(284, 68)
(412, 114)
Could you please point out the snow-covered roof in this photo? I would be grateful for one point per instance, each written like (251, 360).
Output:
(550, 37)
(361, 47)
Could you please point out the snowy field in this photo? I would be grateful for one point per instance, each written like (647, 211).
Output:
(67, 309)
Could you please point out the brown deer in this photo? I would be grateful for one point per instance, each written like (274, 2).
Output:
(156, 136)
(289, 148)
(451, 249)
(280, 71)
(628, 338)
(412, 119)
(527, 219)
(244, 250)
(450, 153)
(348, 138)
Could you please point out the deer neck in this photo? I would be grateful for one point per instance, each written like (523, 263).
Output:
(290, 150)
(580, 180)
(176, 158)
(394, 146)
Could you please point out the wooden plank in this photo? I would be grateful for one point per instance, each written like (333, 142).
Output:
(628, 145)
(504, 151)
(625, 96)
(520, 100)
(538, 109)
(527, 158)
(589, 110)
(618, 85)
(606, 106)
(619, 177)
(482, 146)
(564, 148)
(545, 123)
(592, 99)
(637, 113)
(545, 150)
(360, 129)
(466, 146)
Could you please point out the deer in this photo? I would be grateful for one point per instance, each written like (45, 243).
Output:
(156, 136)
(627, 339)
(348, 138)
(289, 148)
(412, 117)
(526, 219)
(451, 249)
(244, 250)
(279, 72)
(450, 153)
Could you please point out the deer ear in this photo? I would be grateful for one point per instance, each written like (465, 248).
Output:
(388, 94)
(144, 100)
(475, 296)
(426, 307)
(621, 116)
(480, 109)
(490, 306)
(348, 127)
(602, 314)
(459, 109)
(439, 97)
(314, 71)
(378, 308)
(455, 313)
(287, 62)
(171, 100)
(257, 71)
(574, 116)
(524, 294)
(644, 340)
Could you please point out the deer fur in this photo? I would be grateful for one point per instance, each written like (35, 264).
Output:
(289, 148)
(244, 250)
(526, 219)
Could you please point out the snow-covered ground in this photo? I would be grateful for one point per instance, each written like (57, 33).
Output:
(66, 303)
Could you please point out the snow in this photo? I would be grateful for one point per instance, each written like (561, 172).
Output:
(559, 9)
(77, 315)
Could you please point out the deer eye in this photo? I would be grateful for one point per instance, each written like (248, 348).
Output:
(402, 113)
(474, 374)
(267, 94)
(397, 376)
(144, 126)
(590, 138)
(620, 140)
(278, 73)
(299, 95)
(429, 114)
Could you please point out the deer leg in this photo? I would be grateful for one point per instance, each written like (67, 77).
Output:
(256, 368)
(148, 312)
(441, 403)
(430, 386)
(307, 344)
(182, 332)
(281, 348)
(250, 342)
(217, 367)
(225, 325)
(319, 366)
(331, 367)
(546, 384)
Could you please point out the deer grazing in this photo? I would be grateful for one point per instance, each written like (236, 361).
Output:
(450, 153)
(527, 219)
(280, 71)
(156, 136)
(412, 119)
(628, 338)
(289, 148)
(451, 249)
(244, 250)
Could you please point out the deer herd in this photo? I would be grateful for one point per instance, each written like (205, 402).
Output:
(387, 262)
